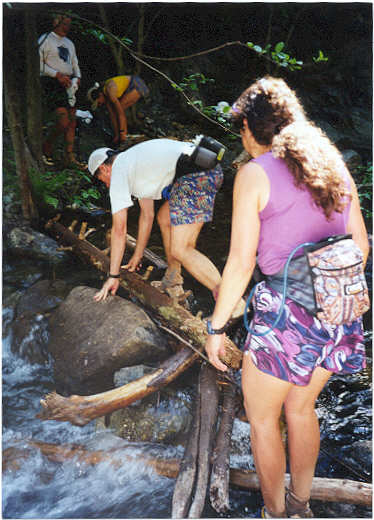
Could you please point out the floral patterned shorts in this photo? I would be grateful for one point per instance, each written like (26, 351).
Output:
(192, 197)
(300, 342)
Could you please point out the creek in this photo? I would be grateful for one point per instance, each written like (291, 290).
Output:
(44, 489)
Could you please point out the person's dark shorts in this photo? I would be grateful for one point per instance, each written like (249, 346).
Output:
(136, 83)
(54, 94)
(192, 197)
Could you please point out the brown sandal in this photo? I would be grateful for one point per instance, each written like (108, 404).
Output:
(297, 508)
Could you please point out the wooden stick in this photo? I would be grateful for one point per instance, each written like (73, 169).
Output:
(209, 395)
(220, 476)
(184, 484)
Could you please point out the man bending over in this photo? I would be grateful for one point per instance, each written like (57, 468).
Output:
(144, 172)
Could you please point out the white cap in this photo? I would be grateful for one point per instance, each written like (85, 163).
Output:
(96, 159)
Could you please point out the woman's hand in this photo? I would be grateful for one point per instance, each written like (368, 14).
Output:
(111, 285)
(215, 346)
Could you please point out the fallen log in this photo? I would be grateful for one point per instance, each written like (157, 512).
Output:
(209, 396)
(220, 476)
(183, 488)
(80, 410)
(325, 489)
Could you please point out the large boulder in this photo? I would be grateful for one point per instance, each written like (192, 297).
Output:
(89, 341)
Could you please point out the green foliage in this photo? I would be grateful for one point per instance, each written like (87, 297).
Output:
(101, 36)
(192, 83)
(364, 176)
(277, 55)
(320, 57)
(64, 188)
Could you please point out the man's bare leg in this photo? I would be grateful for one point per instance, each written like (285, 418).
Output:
(183, 248)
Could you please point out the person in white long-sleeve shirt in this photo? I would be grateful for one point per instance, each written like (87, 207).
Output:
(60, 77)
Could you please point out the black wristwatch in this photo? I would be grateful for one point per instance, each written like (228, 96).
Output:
(114, 275)
(210, 329)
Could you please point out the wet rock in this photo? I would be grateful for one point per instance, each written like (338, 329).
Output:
(30, 339)
(164, 417)
(24, 241)
(42, 297)
(90, 341)
(30, 326)
(127, 374)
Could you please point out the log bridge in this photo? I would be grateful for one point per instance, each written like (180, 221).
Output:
(205, 462)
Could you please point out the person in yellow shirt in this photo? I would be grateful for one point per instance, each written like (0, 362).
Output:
(118, 94)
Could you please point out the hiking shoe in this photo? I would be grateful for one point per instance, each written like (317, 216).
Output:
(297, 508)
(170, 279)
(47, 160)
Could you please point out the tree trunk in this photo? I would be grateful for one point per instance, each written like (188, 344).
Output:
(115, 48)
(33, 89)
(140, 42)
(21, 152)
(325, 489)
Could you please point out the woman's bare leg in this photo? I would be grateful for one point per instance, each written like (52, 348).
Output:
(303, 432)
(263, 399)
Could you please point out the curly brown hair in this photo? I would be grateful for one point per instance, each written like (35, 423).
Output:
(275, 117)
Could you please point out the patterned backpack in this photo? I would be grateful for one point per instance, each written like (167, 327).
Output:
(338, 278)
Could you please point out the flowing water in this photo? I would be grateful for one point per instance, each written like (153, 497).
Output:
(38, 488)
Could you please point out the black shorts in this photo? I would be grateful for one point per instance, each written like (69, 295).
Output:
(54, 94)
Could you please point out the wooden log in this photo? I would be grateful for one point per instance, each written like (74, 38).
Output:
(220, 476)
(209, 396)
(184, 484)
(325, 489)
(79, 410)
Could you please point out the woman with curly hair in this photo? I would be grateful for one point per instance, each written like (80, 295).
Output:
(296, 189)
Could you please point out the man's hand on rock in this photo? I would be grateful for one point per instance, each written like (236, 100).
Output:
(111, 285)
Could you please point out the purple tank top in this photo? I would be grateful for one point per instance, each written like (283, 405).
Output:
(290, 217)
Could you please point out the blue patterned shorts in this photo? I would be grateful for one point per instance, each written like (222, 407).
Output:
(136, 83)
(192, 197)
